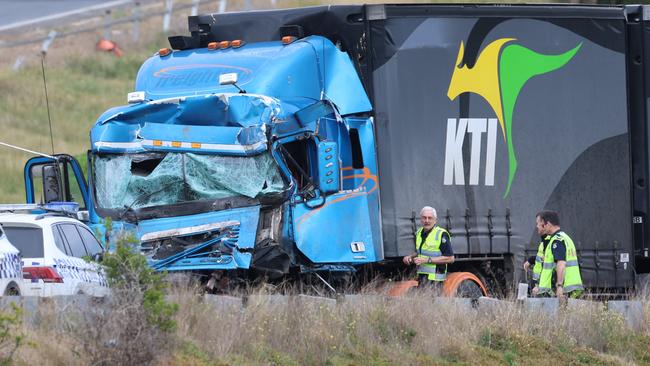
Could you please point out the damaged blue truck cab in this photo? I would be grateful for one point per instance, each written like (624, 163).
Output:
(258, 144)
(279, 175)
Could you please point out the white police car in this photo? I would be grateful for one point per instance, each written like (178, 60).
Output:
(54, 250)
(11, 273)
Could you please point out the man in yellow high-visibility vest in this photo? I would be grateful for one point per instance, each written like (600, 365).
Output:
(535, 262)
(433, 251)
(560, 259)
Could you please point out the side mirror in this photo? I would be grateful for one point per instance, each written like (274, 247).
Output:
(51, 184)
(329, 180)
(83, 216)
(98, 257)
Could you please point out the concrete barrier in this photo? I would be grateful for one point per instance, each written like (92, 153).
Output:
(315, 301)
(632, 311)
(223, 302)
(58, 308)
(494, 306)
(585, 305)
(266, 300)
(361, 300)
(547, 306)
(457, 302)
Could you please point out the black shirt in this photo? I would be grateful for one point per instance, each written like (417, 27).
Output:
(559, 249)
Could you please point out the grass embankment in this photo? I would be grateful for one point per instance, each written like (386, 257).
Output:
(79, 91)
(380, 331)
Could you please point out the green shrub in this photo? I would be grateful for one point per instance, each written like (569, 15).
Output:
(10, 336)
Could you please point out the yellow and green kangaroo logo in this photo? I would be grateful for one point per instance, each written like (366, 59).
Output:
(500, 72)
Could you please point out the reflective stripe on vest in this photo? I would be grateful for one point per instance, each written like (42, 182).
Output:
(571, 263)
(429, 270)
(548, 265)
(539, 259)
(431, 253)
(573, 288)
(552, 265)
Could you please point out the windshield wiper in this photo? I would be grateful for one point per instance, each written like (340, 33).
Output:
(141, 197)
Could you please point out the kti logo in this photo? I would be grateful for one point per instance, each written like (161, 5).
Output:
(500, 72)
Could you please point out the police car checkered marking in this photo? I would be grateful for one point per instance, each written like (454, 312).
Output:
(10, 266)
(79, 269)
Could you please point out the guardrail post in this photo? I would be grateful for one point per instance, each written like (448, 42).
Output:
(107, 24)
(48, 41)
(222, 6)
(18, 64)
(136, 22)
(195, 7)
(169, 5)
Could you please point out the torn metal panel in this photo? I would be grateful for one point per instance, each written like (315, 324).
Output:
(210, 241)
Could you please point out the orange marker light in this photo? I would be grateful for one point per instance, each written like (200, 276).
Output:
(176, 144)
(157, 143)
(213, 45)
(196, 145)
(288, 39)
(224, 44)
(164, 52)
(237, 43)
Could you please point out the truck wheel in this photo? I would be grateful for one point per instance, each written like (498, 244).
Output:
(12, 290)
(464, 284)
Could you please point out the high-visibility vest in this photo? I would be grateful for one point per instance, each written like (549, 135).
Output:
(572, 279)
(539, 259)
(430, 249)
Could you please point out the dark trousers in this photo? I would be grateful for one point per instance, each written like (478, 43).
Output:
(425, 283)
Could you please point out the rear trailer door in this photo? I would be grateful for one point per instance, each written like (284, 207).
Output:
(491, 114)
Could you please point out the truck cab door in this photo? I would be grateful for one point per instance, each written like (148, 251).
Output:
(330, 225)
(60, 180)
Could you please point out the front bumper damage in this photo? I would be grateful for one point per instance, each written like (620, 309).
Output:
(209, 241)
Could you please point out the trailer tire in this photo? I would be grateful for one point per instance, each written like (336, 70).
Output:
(464, 284)
(400, 288)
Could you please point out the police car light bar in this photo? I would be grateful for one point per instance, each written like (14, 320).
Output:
(63, 207)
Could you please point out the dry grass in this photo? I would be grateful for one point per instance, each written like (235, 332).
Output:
(371, 330)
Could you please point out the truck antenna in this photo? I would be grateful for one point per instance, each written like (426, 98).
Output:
(29, 151)
(47, 101)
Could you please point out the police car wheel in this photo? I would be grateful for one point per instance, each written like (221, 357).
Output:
(12, 290)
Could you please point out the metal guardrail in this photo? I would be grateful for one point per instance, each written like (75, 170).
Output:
(106, 12)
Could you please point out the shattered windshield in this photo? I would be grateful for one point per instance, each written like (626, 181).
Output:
(154, 179)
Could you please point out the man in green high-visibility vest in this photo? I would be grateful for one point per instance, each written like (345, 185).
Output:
(560, 258)
(535, 262)
(433, 251)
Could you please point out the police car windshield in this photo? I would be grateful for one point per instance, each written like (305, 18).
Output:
(28, 240)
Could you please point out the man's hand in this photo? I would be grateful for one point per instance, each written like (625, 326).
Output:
(559, 292)
(420, 260)
(526, 266)
(408, 260)
(535, 290)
